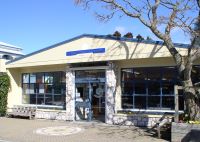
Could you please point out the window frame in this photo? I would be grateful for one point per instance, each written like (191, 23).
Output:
(44, 94)
(145, 81)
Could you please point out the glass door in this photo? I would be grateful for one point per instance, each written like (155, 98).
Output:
(83, 101)
(98, 100)
(90, 101)
(90, 95)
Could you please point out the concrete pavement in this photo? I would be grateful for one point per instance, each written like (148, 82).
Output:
(24, 130)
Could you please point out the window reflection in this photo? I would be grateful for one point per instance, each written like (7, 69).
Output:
(25, 78)
(40, 78)
(48, 88)
(140, 74)
(44, 88)
(127, 102)
(181, 103)
(32, 78)
(57, 89)
(152, 88)
(168, 88)
(181, 100)
(169, 73)
(32, 89)
(154, 74)
(48, 78)
(140, 102)
(26, 97)
(195, 74)
(140, 88)
(41, 88)
(49, 99)
(127, 88)
(25, 89)
(168, 102)
(154, 102)
(127, 74)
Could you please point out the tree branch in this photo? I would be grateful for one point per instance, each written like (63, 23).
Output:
(171, 20)
(121, 8)
(154, 13)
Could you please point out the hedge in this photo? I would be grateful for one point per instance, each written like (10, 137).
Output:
(4, 88)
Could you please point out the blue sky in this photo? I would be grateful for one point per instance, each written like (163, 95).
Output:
(36, 24)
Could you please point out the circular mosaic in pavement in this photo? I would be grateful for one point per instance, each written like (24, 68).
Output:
(58, 131)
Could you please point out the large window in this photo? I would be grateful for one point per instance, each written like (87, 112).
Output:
(149, 88)
(44, 88)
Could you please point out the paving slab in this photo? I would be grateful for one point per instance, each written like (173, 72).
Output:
(24, 130)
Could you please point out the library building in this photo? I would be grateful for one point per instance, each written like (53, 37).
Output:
(99, 78)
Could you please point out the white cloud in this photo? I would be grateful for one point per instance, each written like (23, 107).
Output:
(120, 29)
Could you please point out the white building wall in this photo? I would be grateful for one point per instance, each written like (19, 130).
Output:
(8, 52)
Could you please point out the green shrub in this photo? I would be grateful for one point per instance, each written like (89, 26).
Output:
(4, 88)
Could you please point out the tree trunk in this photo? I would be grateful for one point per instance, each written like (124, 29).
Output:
(192, 103)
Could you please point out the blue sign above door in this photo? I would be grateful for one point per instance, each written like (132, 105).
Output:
(95, 50)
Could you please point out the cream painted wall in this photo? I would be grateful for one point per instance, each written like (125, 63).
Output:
(124, 54)
(46, 68)
(115, 50)
(149, 62)
(15, 93)
(2, 65)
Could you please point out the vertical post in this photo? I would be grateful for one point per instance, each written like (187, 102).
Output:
(53, 94)
(110, 93)
(70, 94)
(36, 96)
(90, 101)
(176, 118)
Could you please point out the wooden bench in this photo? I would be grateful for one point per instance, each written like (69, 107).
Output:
(24, 111)
(162, 124)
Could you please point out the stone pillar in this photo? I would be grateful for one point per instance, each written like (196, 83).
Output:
(110, 93)
(70, 94)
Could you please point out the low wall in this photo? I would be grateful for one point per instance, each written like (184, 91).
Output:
(184, 132)
(141, 120)
(50, 114)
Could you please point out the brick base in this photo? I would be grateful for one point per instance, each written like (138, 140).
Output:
(50, 114)
(140, 120)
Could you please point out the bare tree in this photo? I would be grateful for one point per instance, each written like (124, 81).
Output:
(170, 14)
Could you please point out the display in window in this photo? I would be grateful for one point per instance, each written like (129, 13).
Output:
(127, 102)
(44, 88)
(32, 78)
(25, 78)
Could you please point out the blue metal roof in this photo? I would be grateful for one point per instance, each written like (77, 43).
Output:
(100, 37)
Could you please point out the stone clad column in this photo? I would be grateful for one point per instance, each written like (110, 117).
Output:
(110, 93)
(70, 94)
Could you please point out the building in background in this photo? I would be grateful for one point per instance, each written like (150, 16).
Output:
(94, 77)
(7, 53)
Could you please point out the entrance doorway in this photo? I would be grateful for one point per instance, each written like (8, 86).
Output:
(90, 95)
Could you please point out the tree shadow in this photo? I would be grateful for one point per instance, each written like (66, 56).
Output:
(119, 47)
(141, 121)
(192, 136)
(128, 132)
(127, 50)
